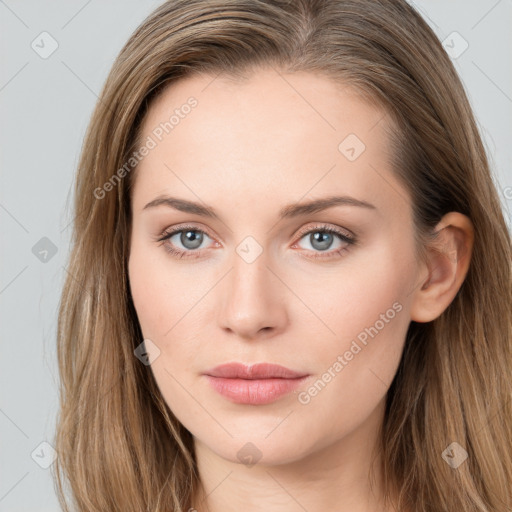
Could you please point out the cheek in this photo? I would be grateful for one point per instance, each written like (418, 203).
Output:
(154, 294)
(367, 315)
(168, 303)
(147, 294)
(162, 314)
(365, 292)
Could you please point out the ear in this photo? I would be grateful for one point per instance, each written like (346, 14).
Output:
(448, 263)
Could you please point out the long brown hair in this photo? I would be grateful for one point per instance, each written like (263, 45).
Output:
(119, 445)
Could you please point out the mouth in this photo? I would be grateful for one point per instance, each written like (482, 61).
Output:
(258, 384)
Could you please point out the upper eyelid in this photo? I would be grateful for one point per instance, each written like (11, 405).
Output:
(341, 231)
(167, 233)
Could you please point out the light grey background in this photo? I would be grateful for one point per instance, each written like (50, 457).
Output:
(45, 107)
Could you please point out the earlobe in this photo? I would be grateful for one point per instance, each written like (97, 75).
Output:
(448, 263)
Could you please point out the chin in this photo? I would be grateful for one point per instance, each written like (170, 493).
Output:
(257, 447)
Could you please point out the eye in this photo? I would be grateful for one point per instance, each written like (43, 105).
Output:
(189, 237)
(321, 239)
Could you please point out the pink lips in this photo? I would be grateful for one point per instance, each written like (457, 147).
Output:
(258, 384)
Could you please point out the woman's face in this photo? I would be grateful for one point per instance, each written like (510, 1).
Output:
(256, 278)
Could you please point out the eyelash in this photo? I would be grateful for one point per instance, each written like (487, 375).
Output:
(351, 240)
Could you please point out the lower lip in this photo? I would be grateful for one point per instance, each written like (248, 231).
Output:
(254, 392)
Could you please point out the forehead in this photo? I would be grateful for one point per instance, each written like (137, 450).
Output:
(271, 132)
(265, 102)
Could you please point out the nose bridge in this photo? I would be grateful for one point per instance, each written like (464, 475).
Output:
(250, 269)
(252, 299)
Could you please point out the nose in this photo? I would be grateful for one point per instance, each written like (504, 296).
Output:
(252, 300)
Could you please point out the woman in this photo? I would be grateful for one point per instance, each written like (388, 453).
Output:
(289, 267)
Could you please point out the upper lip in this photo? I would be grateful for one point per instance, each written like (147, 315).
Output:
(255, 371)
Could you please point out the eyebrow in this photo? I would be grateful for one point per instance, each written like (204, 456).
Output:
(287, 212)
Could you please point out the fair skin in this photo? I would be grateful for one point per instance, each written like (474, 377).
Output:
(248, 149)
